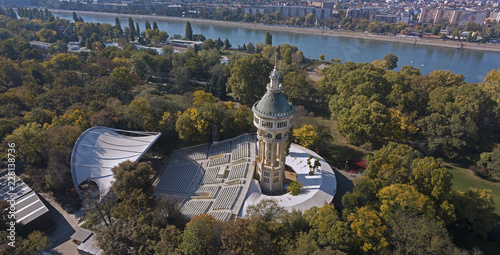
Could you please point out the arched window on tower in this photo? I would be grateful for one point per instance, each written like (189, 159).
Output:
(278, 137)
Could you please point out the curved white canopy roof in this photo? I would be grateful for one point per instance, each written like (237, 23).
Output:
(319, 189)
(99, 149)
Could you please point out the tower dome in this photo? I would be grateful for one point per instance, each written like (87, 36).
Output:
(273, 104)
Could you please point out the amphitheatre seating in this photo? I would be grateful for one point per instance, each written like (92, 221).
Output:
(220, 160)
(211, 190)
(238, 171)
(220, 148)
(194, 153)
(195, 207)
(210, 176)
(178, 177)
(221, 215)
(241, 139)
(226, 198)
(241, 150)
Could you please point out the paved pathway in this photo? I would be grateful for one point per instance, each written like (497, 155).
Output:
(67, 224)
(344, 184)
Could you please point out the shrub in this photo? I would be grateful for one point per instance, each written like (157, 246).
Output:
(295, 188)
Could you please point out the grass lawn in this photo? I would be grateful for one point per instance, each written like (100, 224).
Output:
(463, 179)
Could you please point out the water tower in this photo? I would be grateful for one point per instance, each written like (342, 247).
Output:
(273, 118)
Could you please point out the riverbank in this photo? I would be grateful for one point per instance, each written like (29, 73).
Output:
(303, 30)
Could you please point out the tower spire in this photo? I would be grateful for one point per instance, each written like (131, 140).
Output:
(274, 84)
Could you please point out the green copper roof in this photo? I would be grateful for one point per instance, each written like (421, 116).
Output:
(273, 105)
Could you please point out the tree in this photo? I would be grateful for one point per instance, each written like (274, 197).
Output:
(227, 44)
(202, 235)
(327, 228)
(267, 210)
(403, 197)
(491, 160)
(36, 243)
(170, 240)
(380, 64)
(28, 139)
(269, 39)
(363, 122)
(219, 74)
(75, 17)
(474, 210)
(64, 61)
(131, 30)
(132, 175)
(201, 97)
(492, 84)
(192, 127)
(392, 61)
(436, 29)
(322, 57)
(250, 47)
(368, 228)
(249, 78)
(306, 136)
(118, 26)
(188, 31)
(295, 188)
(155, 26)
(410, 233)
(469, 36)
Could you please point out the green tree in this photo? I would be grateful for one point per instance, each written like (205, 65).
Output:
(227, 44)
(322, 57)
(491, 160)
(267, 210)
(327, 228)
(28, 139)
(269, 39)
(188, 31)
(297, 87)
(132, 175)
(36, 243)
(474, 210)
(410, 233)
(249, 78)
(131, 30)
(436, 29)
(392, 61)
(118, 26)
(295, 188)
(491, 84)
(170, 240)
(219, 74)
(202, 235)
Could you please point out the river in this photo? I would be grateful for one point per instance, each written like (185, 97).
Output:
(474, 65)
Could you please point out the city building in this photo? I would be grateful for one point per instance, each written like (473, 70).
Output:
(459, 17)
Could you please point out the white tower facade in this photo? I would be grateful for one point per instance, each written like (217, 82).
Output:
(273, 118)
